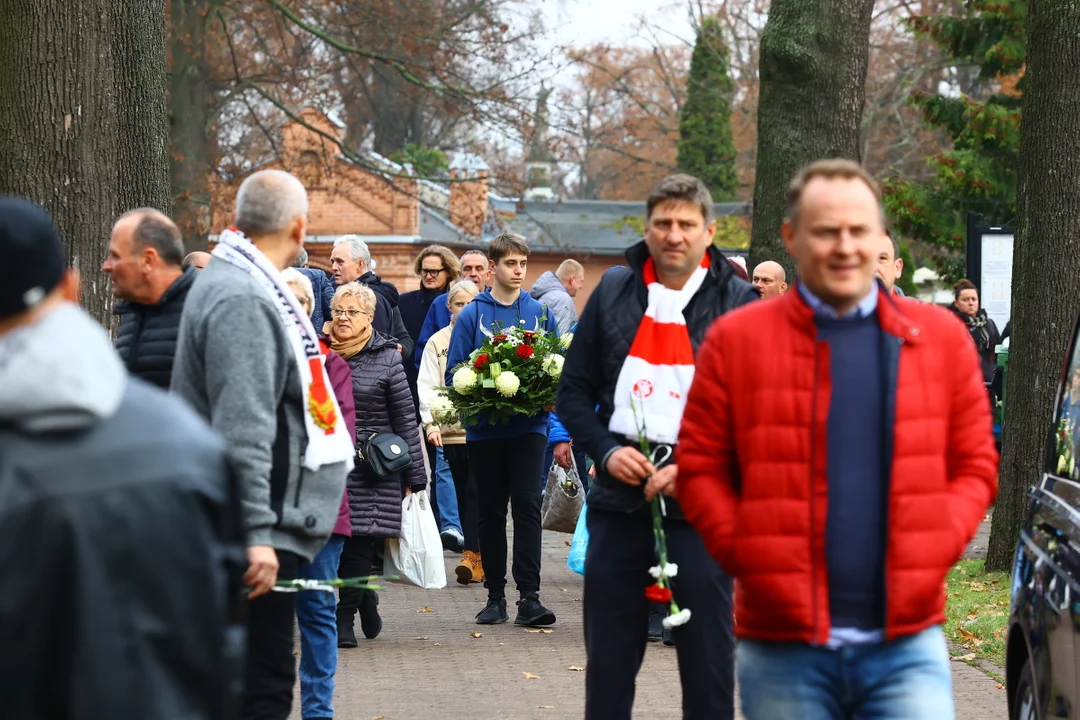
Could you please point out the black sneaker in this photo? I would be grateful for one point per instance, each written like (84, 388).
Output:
(531, 612)
(493, 613)
(452, 540)
(656, 626)
(669, 637)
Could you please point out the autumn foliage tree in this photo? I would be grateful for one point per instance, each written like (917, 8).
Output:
(620, 121)
(979, 171)
(706, 147)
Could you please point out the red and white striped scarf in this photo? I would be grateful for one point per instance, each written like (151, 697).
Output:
(659, 369)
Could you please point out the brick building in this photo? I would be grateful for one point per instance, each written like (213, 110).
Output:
(397, 214)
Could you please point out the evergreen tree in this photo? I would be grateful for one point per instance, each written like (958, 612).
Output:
(979, 172)
(706, 146)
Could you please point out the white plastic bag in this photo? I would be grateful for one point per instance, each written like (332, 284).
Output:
(416, 558)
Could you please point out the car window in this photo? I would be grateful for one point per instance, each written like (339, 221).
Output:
(1066, 440)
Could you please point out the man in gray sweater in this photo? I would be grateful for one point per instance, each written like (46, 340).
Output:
(251, 367)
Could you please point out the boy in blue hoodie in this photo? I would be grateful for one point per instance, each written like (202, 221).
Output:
(506, 459)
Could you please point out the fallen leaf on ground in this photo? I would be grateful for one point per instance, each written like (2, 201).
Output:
(426, 609)
(544, 631)
(567, 543)
(969, 656)
(530, 676)
(437, 645)
(575, 668)
(564, 589)
(545, 707)
(420, 638)
(970, 637)
(1000, 687)
(478, 635)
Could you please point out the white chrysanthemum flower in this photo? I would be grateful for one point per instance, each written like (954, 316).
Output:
(553, 365)
(680, 618)
(465, 379)
(441, 408)
(671, 570)
(655, 571)
(507, 383)
(566, 339)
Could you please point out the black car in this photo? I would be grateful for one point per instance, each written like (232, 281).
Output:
(1042, 662)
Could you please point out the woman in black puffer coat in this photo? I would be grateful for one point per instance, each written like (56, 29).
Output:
(383, 405)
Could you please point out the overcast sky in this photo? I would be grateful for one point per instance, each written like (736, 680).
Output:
(580, 23)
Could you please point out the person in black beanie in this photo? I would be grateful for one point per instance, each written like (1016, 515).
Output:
(120, 559)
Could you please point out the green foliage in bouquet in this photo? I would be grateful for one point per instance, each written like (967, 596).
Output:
(515, 372)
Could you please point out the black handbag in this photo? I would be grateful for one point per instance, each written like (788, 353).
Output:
(385, 454)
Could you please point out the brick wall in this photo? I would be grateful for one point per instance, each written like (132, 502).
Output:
(343, 197)
(469, 200)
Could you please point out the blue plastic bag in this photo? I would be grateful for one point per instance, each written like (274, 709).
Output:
(576, 559)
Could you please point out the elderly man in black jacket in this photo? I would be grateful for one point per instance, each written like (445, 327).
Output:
(675, 275)
(145, 262)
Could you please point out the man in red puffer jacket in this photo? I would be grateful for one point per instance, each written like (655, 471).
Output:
(841, 475)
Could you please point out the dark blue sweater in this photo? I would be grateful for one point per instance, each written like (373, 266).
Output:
(857, 471)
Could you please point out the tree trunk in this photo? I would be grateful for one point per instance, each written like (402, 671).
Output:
(813, 62)
(191, 148)
(1046, 266)
(82, 120)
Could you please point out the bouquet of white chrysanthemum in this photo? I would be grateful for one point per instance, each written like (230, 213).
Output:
(515, 372)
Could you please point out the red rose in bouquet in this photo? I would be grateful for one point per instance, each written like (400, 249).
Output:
(524, 352)
(481, 361)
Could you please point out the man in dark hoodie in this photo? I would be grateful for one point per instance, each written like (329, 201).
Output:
(145, 259)
(120, 558)
(350, 260)
(556, 290)
(506, 458)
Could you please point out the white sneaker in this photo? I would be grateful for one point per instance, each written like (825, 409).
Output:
(453, 540)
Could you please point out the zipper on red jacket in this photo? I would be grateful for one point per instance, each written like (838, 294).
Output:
(813, 457)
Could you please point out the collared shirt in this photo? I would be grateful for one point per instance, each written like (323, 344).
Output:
(866, 307)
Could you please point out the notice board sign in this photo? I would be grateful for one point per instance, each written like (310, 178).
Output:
(989, 266)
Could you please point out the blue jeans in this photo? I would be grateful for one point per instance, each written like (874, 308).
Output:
(906, 679)
(316, 613)
(446, 494)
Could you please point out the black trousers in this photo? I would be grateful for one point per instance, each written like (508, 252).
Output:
(356, 557)
(620, 552)
(506, 471)
(429, 451)
(457, 457)
(270, 672)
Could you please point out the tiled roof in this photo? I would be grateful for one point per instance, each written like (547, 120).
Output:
(599, 227)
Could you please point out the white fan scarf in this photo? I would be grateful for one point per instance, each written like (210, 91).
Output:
(328, 440)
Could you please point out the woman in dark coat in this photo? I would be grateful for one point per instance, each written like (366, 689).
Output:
(383, 405)
(984, 332)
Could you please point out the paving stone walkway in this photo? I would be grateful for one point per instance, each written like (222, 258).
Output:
(426, 663)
